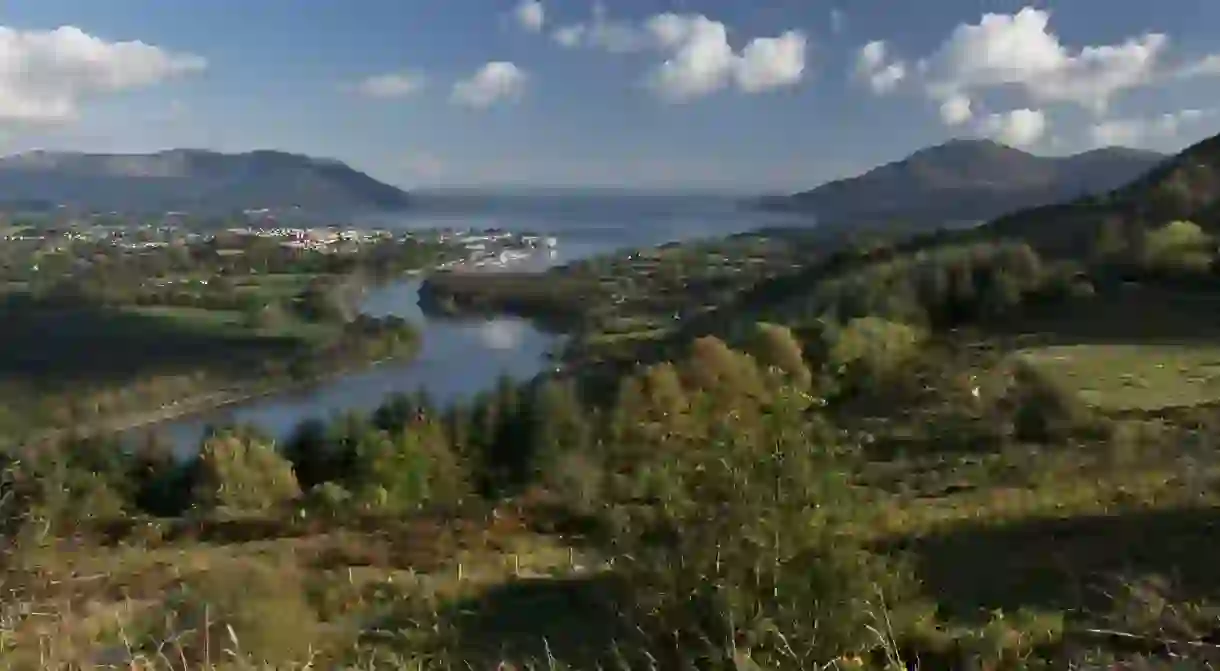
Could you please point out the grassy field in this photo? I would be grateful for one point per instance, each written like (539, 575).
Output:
(233, 323)
(1134, 377)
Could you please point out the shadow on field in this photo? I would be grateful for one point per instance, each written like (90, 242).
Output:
(1065, 563)
(56, 345)
(1132, 315)
(569, 620)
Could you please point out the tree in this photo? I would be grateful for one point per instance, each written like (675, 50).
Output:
(869, 349)
(408, 470)
(775, 346)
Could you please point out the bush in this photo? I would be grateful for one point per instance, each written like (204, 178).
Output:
(236, 474)
(739, 557)
(1045, 411)
(868, 350)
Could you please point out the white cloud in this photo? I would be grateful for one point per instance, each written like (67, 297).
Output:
(771, 62)
(391, 85)
(872, 67)
(838, 21)
(603, 32)
(494, 82)
(1207, 66)
(531, 15)
(45, 75)
(1135, 132)
(1018, 128)
(569, 36)
(1019, 51)
(956, 110)
(701, 60)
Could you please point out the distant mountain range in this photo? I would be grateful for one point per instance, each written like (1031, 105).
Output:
(965, 181)
(190, 180)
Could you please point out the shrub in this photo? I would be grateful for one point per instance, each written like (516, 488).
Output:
(1046, 411)
(739, 555)
(868, 350)
(235, 474)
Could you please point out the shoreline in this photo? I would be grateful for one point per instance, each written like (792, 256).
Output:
(203, 403)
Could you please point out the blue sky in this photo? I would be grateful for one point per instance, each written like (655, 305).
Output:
(670, 93)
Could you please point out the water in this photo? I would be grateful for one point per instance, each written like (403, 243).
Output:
(462, 357)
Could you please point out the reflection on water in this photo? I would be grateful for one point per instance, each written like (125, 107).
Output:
(461, 358)
(458, 358)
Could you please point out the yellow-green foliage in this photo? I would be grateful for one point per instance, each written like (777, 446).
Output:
(244, 611)
(737, 558)
(872, 348)
(1179, 245)
(409, 469)
(242, 474)
(776, 347)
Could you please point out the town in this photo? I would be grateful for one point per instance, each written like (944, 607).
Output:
(476, 249)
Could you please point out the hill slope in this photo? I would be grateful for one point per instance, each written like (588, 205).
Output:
(966, 181)
(192, 180)
(1185, 186)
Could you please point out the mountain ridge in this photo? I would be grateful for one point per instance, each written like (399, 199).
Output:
(194, 180)
(966, 180)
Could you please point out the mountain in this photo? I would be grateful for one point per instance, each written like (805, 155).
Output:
(965, 181)
(192, 180)
(1185, 186)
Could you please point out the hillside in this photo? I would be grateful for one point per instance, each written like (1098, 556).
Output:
(192, 180)
(965, 181)
(1185, 186)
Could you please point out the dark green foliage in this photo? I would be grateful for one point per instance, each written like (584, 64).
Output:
(939, 287)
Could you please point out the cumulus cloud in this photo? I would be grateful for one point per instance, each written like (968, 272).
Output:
(1018, 128)
(771, 62)
(494, 82)
(391, 85)
(956, 110)
(701, 60)
(45, 75)
(1134, 132)
(874, 67)
(1019, 51)
(603, 32)
(1207, 66)
(530, 15)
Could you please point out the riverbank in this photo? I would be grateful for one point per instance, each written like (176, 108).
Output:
(210, 402)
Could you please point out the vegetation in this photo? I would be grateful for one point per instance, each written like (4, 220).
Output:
(884, 456)
(98, 337)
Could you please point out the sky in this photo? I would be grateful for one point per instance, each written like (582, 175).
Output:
(767, 95)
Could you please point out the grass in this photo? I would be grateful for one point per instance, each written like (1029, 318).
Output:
(233, 323)
(1117, 377)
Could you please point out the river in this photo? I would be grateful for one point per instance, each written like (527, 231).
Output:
(459, 358)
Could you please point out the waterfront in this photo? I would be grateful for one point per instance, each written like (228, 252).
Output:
(460, 358)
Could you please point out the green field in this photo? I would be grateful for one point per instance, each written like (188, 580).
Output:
(1134, 377)
(233, 323)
